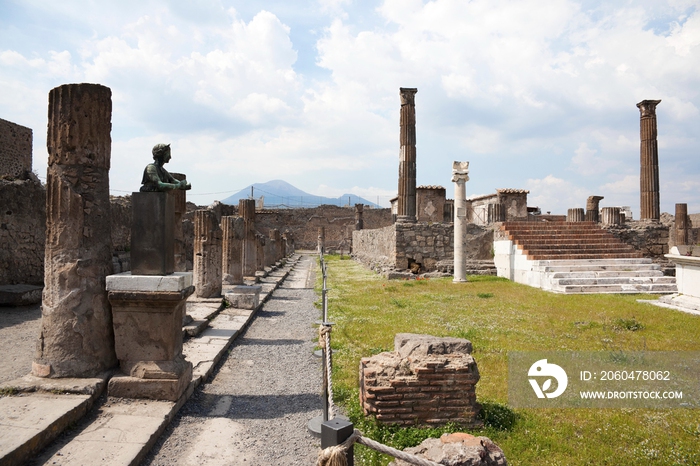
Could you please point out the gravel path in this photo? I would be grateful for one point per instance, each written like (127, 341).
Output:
(19, 331)
(256, 409)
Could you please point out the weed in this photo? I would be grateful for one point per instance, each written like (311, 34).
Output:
(628, 324)
(485, 295)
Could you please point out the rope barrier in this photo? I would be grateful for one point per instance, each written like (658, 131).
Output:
(324, 340)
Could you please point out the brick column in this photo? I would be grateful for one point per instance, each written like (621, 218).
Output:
(231, 266)
(77, 338)
(649, 161)
(406, 202)
(246, 209)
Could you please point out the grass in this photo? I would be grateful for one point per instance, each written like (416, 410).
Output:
(498, 316)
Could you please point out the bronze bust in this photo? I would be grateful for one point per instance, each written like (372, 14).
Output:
(155, 177)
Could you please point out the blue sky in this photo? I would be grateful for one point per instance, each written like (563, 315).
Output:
(535, 95)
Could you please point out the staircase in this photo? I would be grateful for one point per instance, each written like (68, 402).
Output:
(578, 257)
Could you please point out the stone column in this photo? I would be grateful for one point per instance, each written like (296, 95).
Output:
(276, 237)
(231, 251)
(260, 254)
(246, 209)
(610, 215)
(649, 161)
(207, 255)
(592, 207)
(460, 176)
(359, 220)
(406, 202)
(321, 240)
(77, 338)
(681, 224)
(575, 215)
(180, 207)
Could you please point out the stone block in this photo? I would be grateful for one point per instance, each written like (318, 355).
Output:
(416, 345)
(128, 282)
(125, 386)
(152, 234)
(20, 295)
(244, 297)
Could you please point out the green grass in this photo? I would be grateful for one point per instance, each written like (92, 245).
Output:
(498, 316)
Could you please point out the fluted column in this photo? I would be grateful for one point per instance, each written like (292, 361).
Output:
(233, 229)
(406, 203)
(246, 209)
(77, 337)
(649, 161)
(681, 224)
(460, 176)
(610, 216)
(575, 215)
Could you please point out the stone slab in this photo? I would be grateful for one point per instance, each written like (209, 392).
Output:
(176, 281)
(93, 386)
(20, 295)
(28, 423)
(203, 311)
(244, 297)
(124, 386)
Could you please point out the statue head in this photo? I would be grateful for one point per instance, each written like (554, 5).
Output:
(161, 152)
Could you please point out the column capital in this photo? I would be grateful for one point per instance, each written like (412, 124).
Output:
(460, 172)
(647, 108)
(408, 95)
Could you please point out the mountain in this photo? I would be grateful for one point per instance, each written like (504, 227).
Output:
(281, 195)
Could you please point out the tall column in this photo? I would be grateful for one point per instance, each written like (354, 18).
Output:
(649, 161)
(681, 224)
(246, 209)
(406, 202)
(180, 209)
(207, 255)
(460, 176)
(359, 220)
(231, 250)
(77, 338)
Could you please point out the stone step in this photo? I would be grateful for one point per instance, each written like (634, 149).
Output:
(608, 274)
(615, 281)
(578, 263)
(619, 289)
(567, 241)
(567, 256)
(602, 247)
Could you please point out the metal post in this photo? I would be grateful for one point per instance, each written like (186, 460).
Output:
(335, 432)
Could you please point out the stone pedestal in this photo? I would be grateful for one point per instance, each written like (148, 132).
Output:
(244, 297)
(152, 236)
(76, 338)
(406, 202)
(233, 232)
(147, 315)
(575, 215)
(207, 254)
(460, 176)
(610, 216)
(649, 161)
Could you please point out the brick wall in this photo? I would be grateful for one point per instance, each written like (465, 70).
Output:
(432, 385)
(424, 244)
(15, 149)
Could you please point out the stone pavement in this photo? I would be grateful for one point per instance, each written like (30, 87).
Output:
(121, 431)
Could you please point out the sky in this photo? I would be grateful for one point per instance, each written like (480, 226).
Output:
(537, 95)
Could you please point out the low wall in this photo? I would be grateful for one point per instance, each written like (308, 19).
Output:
(376, 248)
(423, 244)
(650, 238)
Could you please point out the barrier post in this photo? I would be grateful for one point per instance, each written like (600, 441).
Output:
(335, 432)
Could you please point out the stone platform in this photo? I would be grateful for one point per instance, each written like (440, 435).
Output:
(125, 431)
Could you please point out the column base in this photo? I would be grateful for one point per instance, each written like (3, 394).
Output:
(244, 297)
(154, 384)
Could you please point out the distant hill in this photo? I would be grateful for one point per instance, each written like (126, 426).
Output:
(281, 195)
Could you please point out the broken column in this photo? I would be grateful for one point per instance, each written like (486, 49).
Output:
(246, 209)
(460, 176)
(231, 250)
(77, 338)
(260, 255)
(180, 209)
(592, 208)
(610, 216)
(406, 203)
(681, 224)
(359, 220)
(207, 255)
(649, 161)
(276, 238)
(575, 215)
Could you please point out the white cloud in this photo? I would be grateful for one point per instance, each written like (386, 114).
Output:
(556, 195)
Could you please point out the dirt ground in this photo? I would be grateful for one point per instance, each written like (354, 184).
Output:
(19, 330)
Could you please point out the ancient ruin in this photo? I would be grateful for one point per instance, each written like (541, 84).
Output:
(246, 209)
(460, 176)
(77, 337)
(593, 208)
(407, 157)
(649, 161)
(359, 220)
(425, 381)
(233, 230)
(681, 224)
(207, 255)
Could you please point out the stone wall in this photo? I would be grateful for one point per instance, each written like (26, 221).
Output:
(15, 149)
(650, 238)
(22, 232)
(419, 246)
(376, 248)
(425, 381)
(430, 204)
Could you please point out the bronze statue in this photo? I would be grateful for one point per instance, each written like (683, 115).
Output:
(156, 178)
